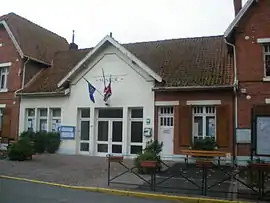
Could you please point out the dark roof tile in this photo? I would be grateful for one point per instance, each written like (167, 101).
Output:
(35, 41)
(201, 61)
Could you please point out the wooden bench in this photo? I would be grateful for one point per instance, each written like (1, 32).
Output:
(203, 153)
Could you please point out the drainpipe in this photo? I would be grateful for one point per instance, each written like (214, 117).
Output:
(23, 78)
(235, 102)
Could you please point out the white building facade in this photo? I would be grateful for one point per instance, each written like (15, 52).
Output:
(122, 126)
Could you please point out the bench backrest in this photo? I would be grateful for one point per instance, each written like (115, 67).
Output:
(204, 153)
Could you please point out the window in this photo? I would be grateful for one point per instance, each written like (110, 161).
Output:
(166, 116)
(136, 130)
(266, 50)
(110, 113)
(204, 122)
(30, 120)
(55, 119)
(43, 119)
(3, 77)
(1, 119)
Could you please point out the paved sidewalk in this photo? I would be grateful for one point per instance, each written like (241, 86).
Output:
(67, 169)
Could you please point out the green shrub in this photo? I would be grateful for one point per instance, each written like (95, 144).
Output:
(21, 150)
(53, 142)
(204, 144)
(40, 141)
(28, 135)
(150, 153)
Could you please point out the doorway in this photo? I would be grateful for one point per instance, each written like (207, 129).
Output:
(109, 138)
(166, 130)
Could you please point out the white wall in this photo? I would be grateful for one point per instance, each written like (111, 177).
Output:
(131, 87)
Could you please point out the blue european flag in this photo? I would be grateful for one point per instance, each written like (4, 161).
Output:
(91, 91)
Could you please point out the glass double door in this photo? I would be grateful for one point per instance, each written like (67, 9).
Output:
(109, 136)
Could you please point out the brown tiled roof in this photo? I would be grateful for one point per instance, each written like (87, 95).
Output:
(46, 80)
(35, 41)
(201, 61)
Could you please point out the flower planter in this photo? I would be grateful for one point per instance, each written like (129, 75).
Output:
(148, 164)
(115, 158)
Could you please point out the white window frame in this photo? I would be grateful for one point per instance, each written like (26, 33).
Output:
(166, 116)
(266, 54)
(30, 117)
(204, 114)
(52, 118)
(4, 71)
(43, 118)
(130, 122)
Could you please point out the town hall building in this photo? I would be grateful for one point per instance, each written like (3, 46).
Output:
(113, 98)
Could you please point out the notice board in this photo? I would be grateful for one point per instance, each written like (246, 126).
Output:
(263, 135)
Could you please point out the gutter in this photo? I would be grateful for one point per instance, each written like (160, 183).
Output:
(235, 101)
(23, 78)
(46, 94)
(37, 60)
(192, 88)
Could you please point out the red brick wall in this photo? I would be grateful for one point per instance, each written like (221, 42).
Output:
(226, 97)
(8, 53)
(250, 65)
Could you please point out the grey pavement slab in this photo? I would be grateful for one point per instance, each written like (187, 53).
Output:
(12, 191)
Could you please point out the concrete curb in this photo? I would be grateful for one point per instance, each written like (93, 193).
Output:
(127, 193)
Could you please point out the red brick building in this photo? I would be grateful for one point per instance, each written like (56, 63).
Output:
(249, 34)
(25, 50)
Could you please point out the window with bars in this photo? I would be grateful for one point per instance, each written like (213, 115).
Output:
(266, 50)
(204, 122)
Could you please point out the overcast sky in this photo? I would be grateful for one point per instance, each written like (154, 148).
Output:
(128, 20)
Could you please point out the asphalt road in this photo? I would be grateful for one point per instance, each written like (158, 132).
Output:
(12, 191)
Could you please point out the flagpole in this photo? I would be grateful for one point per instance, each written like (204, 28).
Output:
(96, 89)
(104, 78)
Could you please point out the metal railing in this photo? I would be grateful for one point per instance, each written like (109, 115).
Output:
(203, 177)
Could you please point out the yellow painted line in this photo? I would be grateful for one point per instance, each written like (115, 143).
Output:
(126, 192)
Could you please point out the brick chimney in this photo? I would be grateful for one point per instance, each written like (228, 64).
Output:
(72, 45)
(237, 6)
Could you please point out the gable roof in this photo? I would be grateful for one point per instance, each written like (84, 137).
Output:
(32, 40)
(109, 39)
(184, 62)
(198, 61)
(238, 17)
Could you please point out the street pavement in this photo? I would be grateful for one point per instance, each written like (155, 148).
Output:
(12, 191)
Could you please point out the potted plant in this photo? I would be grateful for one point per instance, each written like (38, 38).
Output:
(149, 158)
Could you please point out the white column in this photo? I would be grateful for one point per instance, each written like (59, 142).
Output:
(125, 140)
(48, 119)
(77, 125)
(92, 131)
(36, 121)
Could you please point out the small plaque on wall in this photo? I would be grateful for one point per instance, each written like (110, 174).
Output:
(243, 135)
(67, 132)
